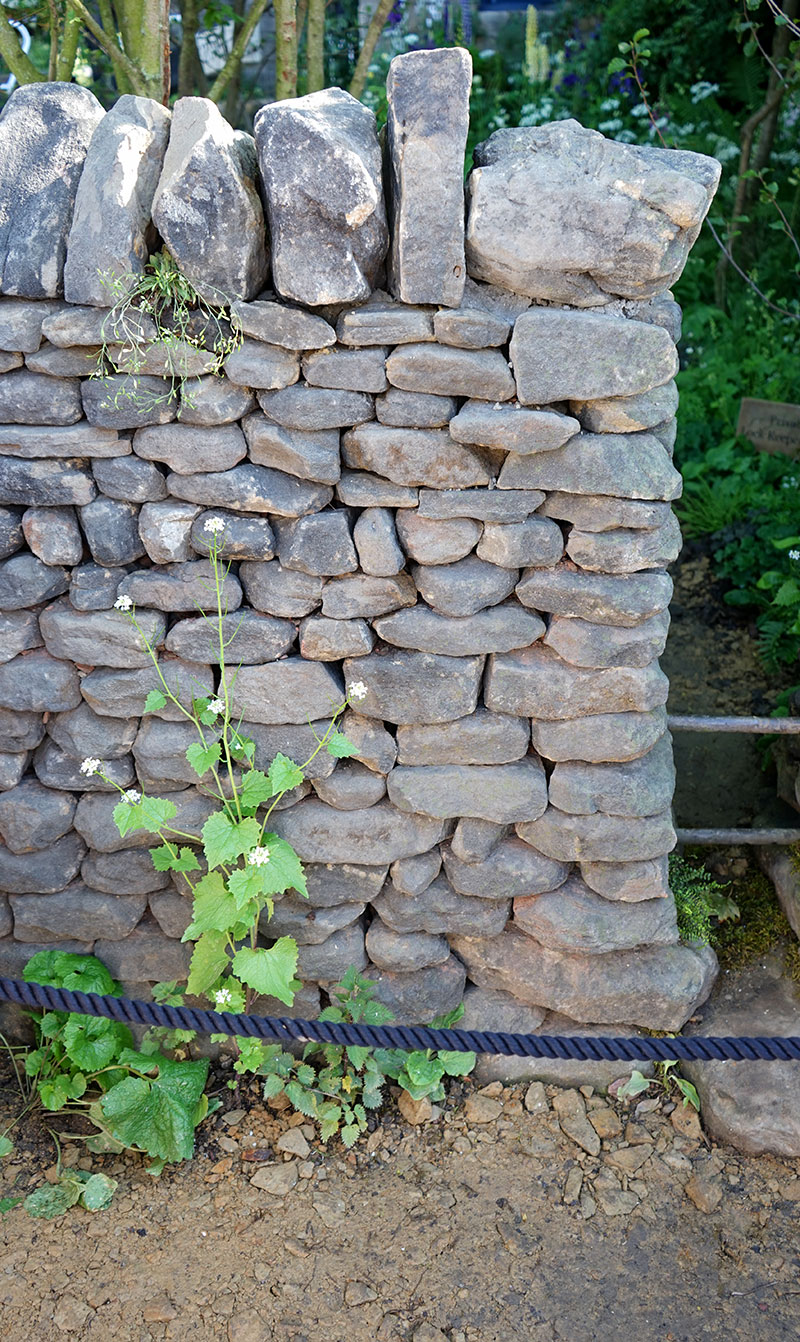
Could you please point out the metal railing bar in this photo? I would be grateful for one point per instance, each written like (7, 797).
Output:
(690, 722)
(734, 836)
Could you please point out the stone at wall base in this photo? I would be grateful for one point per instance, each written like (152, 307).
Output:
(781, 868)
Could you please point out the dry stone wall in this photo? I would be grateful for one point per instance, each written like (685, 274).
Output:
(442, 454)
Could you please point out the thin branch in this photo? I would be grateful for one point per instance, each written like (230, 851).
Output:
(20, 65)
(237, 51)
(787, 22)
(112, 49)
(52, 63)
(782, 312)
(376, 27)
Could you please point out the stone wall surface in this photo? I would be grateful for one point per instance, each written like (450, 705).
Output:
(447, 476)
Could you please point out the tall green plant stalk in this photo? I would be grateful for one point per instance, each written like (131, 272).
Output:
(285, 49)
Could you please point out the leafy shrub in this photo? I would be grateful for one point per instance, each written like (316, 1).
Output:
(699, 899)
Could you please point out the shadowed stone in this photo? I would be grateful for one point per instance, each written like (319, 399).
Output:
(446, 371)
(298, 742)
(626, 551)
(309, 927)
(420, 996)
(414, 409)
(94, 587)
(413, 875)
(599, 645)
(536, 542)
(12, 768)
(304, 407)
(499, 629)
(582, 356)
(214, 400)
(426, 134)
(321, 171)
(628, 881)
(511, 869)
(375, 538)
(330, 884)
(473, 840)
(376, 747)
(35, 398)
(94, 820)
(265, 367)
(53, 535)
(486, 1009)
(190, 449)
(11, 534)
(440, 909)
(360, 596)
(33, 817)
(593, 463)
(172, 912)
(111, 529)
(481, 738)
(436, 542)
(404, 952)
(21, 326)
(19, 631)
(347, 369)
(351, 787)
(416, 686)
(166, 531)
(100, 638)
(627, 414)
(70, 325)
(488, 505)
(289, 691)
(130, 479)
(601, 738)
(250, 638)
(131, 871)
(207, 207)
(573, 918)
(8, 361)
(42, 873)
(360, 489)
(415, 456)
(325, 640)
(330, 961)
(379, 834)
(640, 787)
(309, 455)
(464, 587)
(121, 694)
(280, 591)
(251, 489)
(380, 322)
(320, 545)
(55, 768)
(180, 587)
(128, 400)
(19, 730)
(621, 599)
(160, 754)
(536, 682)
(81, 732)
(45, 130)
(55, 362)
(511, 428)
(277, 324)
(25, 581)
(470, 328)
(112, 235)
(246, 536)
(599, 838)
(503, 793)
(145, 952)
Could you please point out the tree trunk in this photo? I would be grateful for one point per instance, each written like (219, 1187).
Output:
(285, 49)
(376, 27)
(20, 65)
(315, 45)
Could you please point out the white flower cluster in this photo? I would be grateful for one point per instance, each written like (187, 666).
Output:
(216, 706)
(794, 554)
(258, 857)
(223, 997)
(132, 797)
(123, 603)
(357, 690)
(214, 524)
(91, 766)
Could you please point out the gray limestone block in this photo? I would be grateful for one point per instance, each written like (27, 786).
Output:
(658, 988)
(12, 769)
(308, 926)
(9, 361)
(512, 428)
(376, 747)
(351, 787)
(288, 691)
(181, 587)
(404, 952)
(329, 961)
(309, 454)
(128, 400)
(617, 599)
(245, 536)
(94, 821)
(251, 489)
(412, 876)
(130, 479)
(535, 681)
(574, 918)
(250, 638)
(6, 923)
(56, 769)
(321, 171)
(418, 997)
(35, 682)
(26, 581)
(473, 840)
(662, 310)
(53, 535)
(189, 448)
(326, 640)
(279, 591)
(111, 528)
(45, 130)
(94, 587)
(511, 869)
(166, 531)
(470, 328)
(78, 362)
(33, 817)
(628, 881)
(214, 400)
(14, 955)
(636, 465)
(627, 414)
(503, 793)
(558, 212)
(145, 953)
(426, 134)
(360, 596)
(415, 456)
(68, 325)
(440, 909)
(347, 369)
(584, 644)
(598, 837)
(21, 327)
(19, 730)
(601, 738)
(172, 912)
(289, 327)
(19, 632)
(101, 638)
(416, 686)
(320, 545)
(11, 535)
(75, 912)
(375, 537)
(637, 788)
(446, 371)
(44, 872)
(29, 441)
(667, 434)
(498, 629)
(537, 543)
(492, 1010)
(376, 836)
(298, 742)
(415, 409)
(361, 489)
(264, 367)
(160, 754)
(304, 407)
(207, 206)
(35, 398)
(129, 872)
(626, 551)
(380, 322)
(121, 694)
(481, 738)
(465, 587)
(487, 505)
(111, 235)
(81, 733)
(432, 541)
(562, 355)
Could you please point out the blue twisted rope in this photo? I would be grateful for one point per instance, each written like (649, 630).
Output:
(284, 1030)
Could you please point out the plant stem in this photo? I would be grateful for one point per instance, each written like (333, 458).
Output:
(377, 24)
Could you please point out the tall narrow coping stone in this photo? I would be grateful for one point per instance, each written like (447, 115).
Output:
(428, 120)
(112, 234)
(45, 131)
(321, 170)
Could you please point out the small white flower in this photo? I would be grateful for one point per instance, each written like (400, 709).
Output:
(213, 524)
(223, 997)
(794, 554)
(358, 690)
(258, 857)
(216, 706)
(91, 766)
(132, 797)
(123, 603)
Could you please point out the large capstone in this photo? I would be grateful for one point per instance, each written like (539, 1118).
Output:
(559, 355)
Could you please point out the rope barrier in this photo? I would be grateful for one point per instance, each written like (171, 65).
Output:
(410, 1037)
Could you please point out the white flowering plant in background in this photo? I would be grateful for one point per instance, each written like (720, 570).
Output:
(243, 866)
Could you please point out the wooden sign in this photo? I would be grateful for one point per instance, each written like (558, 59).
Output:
(771, 426)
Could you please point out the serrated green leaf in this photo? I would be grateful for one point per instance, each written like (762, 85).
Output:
(255, 789)
(358, 1055)
(225, 840)
(54, 1094)
(270, 972)
(245, 884)
(209, 960)
(283, 871)
(97, 1192)
(53, 1200)
(214, 908)
(154, 702)
(303, 1100)
(157, 1116)
(340, 747)
(202, 758)
(151, 813)
(253, 1054)
(273, 1085)
(284, 774)
(165, 858)
(423, 1071)
(64, 969)
(93, 1042)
